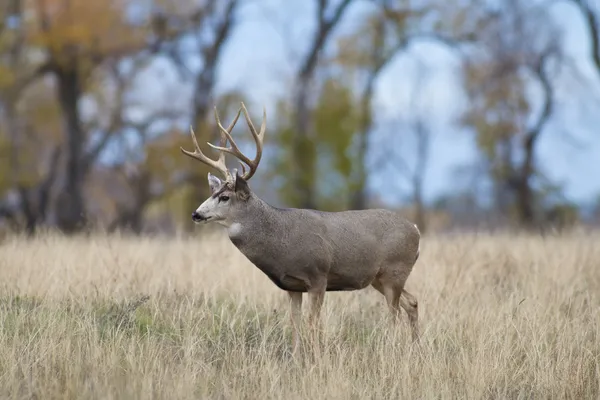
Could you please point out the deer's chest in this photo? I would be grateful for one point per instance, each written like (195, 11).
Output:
(275, 257)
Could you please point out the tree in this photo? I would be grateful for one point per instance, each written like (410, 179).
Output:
(407, 141)
(335, 119)
(421, 130)
(84, 46)
(303, 141)
(156, 175)
(365, 53)
(27, 120)
(75, 37)
(209, 24)
(362, 55)
(518, 47)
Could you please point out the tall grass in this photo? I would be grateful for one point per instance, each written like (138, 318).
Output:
(501, 316)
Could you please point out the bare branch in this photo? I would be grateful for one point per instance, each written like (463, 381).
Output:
(210, 53)
(46, 185)
(117, 121)
(593, 25)
(548, 98)
(323, 31)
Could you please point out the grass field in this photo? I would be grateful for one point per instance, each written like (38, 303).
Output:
(502, 316)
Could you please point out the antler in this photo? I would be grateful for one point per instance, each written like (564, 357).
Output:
(218, 164)
(235, 151)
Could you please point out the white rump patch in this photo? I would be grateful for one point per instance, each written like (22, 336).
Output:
(417, 228)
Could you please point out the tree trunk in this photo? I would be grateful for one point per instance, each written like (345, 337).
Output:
(34, 201)
(15, 135)
(70, 207)
(203, 97)
(524, 196)
(29, 214)
(303, 148)
(358, 199)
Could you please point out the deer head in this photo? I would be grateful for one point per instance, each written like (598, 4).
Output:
(229, 196)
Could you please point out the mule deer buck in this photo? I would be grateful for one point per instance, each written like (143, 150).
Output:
(304, 250)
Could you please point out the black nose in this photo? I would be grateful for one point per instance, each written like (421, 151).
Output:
(196, 217)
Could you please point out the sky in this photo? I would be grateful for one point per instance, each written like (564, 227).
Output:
(264, 49)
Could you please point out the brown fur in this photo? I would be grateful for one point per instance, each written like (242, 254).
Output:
(310, 251)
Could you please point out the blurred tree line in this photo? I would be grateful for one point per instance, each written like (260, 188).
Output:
(85, 142)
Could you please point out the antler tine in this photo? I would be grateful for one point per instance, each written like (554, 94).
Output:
(234, 150)
(263, 126)
(258, 139)
(219, 164)
(225, 136)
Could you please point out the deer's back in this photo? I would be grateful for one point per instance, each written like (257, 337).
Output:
(358, 244)
(375, 236)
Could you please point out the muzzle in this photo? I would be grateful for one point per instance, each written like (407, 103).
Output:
(197, 217)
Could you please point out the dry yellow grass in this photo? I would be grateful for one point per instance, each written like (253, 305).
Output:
(501, 316)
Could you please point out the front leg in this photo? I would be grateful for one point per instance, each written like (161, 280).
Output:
(296, 317)
(316, 303)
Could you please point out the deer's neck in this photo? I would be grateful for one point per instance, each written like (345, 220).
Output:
(259, 233)
(257, 216)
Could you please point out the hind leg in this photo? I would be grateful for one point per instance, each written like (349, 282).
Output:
(392, 297)
(396, 296)
(409, 303)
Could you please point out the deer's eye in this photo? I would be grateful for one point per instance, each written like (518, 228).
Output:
(223, 198)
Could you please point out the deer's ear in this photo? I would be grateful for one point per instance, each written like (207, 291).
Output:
(241, 187)
(213, 182)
